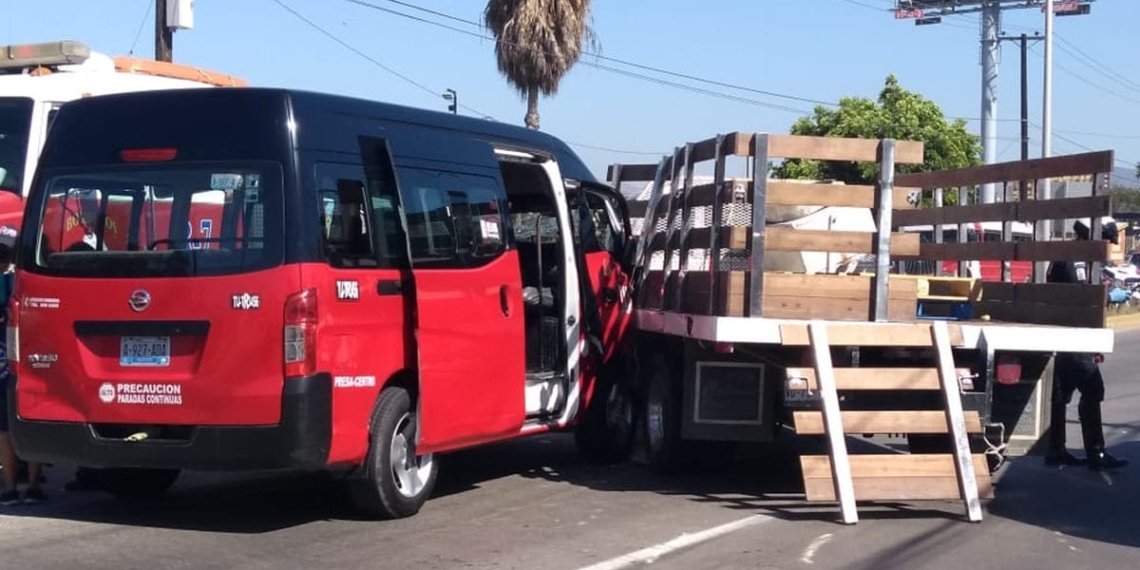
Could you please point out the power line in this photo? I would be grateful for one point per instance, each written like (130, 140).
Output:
(411, 81)
(138, 33)
(586, 52)
(611, 69)
(1120, 161)
(1097, 66)
(865, 5)
(1088, 81)
(346, 45)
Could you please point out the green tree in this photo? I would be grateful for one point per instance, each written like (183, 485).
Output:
(536, 44)
(898, 114)
(1125, 199)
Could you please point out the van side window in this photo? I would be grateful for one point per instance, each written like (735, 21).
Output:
(455, 220)
(353, 234)
(595, 220)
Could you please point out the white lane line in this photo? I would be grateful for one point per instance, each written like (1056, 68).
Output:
(652, 553)
(809, 552)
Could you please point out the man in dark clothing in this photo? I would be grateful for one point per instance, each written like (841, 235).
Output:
(1079, 371)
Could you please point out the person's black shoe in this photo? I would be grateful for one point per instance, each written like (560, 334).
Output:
(1102, 460)
(1057, 458)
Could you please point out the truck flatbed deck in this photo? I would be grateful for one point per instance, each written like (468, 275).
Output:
(965, 334)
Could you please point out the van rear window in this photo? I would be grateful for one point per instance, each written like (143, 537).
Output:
(168, 220)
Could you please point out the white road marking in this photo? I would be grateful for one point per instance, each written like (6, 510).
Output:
(809, 552)
(652, 553)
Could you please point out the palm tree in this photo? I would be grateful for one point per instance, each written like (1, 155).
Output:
(537, 42)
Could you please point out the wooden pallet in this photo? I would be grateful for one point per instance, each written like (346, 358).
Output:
(840, 477)
(941, 288)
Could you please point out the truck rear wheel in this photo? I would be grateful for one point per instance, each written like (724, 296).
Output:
(665, 451)
(606, 433)
(393, 482)
(138, 484)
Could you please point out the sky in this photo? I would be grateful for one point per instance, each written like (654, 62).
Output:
(808, 50)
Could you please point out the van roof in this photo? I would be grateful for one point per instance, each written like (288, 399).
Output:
(308, 104)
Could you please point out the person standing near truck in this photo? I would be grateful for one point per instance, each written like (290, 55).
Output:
(1079, 371)
(9, 463)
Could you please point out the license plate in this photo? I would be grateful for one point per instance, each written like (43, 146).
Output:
(144, 351)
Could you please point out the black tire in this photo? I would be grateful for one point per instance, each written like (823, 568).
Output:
(665, 451)
(606, 433)
(376, 488)
(137, 484)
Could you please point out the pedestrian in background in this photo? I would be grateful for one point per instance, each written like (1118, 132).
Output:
(1079, 371)
(9, 463)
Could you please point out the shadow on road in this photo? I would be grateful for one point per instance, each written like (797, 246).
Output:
(765, 479)
(1075, 501)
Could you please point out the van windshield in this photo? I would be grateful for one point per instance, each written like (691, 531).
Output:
(15, 125)
(170, 220)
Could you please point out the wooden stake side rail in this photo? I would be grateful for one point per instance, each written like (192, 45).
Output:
(780, 146)
(1038, 302)
(670, 280)
(697, 263)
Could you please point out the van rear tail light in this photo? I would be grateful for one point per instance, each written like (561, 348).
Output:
(148, 154)
(300, 334)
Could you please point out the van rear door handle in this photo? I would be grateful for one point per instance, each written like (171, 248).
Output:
(504, 300)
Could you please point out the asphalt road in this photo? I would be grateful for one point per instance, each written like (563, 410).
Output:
(532, 504)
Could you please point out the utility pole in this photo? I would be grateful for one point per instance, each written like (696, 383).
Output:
(991, 19)
(1024, 97)
(163, 34)
(1046, 190)
(927, 12)
(1047, 99)
(1023, 41)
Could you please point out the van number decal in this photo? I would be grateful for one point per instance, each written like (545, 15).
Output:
(245, 301)
(348, 290)
(207, 228)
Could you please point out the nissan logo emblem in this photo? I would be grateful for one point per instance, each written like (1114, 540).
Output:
(139, 300)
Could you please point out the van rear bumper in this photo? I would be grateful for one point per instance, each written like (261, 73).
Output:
(301, 440)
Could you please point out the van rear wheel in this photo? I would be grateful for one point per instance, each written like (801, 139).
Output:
(393, 482)
(138, 484)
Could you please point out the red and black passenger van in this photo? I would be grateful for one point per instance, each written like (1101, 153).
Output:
(263, 278)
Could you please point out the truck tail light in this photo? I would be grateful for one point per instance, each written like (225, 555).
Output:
(1007, 369)
(301, 333)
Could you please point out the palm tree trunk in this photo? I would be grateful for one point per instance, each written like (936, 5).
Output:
(532, 108)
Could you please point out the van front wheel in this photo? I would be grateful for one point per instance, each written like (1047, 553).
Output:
(393, 482)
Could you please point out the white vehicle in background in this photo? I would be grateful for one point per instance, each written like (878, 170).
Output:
(37, 79)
